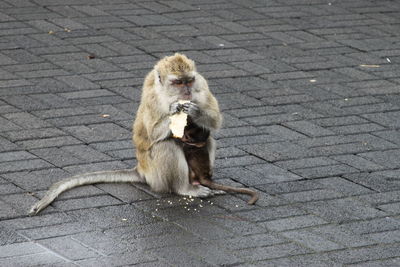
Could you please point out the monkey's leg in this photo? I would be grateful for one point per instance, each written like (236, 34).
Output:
(212, 147)
(170, 167)
(118, 176)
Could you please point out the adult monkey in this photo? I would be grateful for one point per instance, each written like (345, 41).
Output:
(161, 161)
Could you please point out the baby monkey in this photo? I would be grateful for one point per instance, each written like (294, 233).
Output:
(195, 148)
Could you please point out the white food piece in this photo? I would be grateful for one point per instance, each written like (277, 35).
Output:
(178, 122)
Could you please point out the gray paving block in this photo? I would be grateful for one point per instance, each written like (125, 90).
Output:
(373, 225)
(44, 259)
(278, 151)
(88, 202)
(36, 222)
(313, 195)
(291, 223)
(240, 227)
(113, 216)
(365, 254)
(125, 192)
(385, 237)
(20, 249)
(380, 181)
(312, 241)
(51, 231)
(291, 186)
(344, 186)
(342, 210)
(30, 164)
(358, 162)
(308, 90)
(271, 252)
(98, 132)
(9, 188)
(68, 247)
(387, 158)
(26, 120)
(137, 258)
(214, 255)
(306, 163)
(393, 208)
(176, 255)
(36, 179)
(302, 260)
(271, 213)
(56, 156)
(325, 171)
(8, 237)
(14, 156)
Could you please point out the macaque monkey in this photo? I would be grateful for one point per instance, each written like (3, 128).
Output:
(196, 145)
(161, 161)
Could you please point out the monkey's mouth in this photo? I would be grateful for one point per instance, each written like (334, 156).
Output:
(187, 96)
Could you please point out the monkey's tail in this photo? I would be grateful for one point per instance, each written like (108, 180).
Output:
(227, 188)
(118, 176)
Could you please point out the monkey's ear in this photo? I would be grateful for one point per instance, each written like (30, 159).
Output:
(157, 77)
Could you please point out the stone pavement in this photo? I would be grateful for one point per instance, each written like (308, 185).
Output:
(310, 91)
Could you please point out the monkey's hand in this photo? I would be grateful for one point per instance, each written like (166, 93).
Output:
(192, 109)
(175, 108)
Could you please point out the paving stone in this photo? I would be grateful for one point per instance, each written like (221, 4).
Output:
(386, 158)
(50, 231)
(271, 252)
(36, 179)
(177, 255)
(379, 181)
(26, 120)
(8, 237)
(271, 213)
(342, 210)
(68, 248)
(312, 241)
(302, 260)
(112, 216)
(358, 162)
(82, 203)
(137, 258)
(18, 249)
(373, 225)
(293, 223)
(344, 186)
(310, 97)
(290, 186)
(307, 196)
(365, 254)
(45, 259)
(278, 151)
(98, 132)
(34, 222)
(30, 164)
(341, 235)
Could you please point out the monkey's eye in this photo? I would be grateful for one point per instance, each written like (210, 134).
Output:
(177, 82)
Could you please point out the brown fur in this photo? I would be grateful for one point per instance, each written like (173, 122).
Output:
(195, 148)
(161, 161)
(178, 64)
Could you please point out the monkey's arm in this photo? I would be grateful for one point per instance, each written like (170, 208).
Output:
(205, 114)
(160, 130)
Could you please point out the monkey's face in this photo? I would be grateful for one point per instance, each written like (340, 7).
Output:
(181, 85)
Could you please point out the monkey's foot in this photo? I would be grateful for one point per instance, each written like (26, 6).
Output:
(196, 191)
